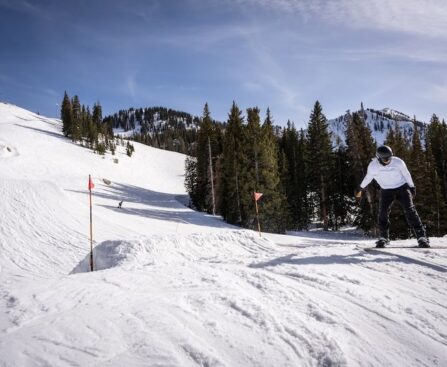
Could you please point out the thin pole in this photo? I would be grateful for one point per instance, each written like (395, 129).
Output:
(91, 225)
(238, 199)
(211, 176)
(257, 215)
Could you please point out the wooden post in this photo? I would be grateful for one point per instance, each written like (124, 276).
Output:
(257, 213)
(90, 184)
(211, 176)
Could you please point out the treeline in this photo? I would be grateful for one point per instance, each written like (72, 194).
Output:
(88, 127)
(159, 127)
(304, 178)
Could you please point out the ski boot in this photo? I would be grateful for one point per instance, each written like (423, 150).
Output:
(423, 242)
(421, 235)
(382, 242)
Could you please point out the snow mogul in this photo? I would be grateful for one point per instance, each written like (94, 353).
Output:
(394, 179)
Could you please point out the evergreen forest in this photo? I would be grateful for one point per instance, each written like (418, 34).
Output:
(306, 179)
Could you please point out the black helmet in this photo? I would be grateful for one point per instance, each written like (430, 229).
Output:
(384, 153)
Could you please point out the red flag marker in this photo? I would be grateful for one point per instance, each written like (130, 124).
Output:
(91, 185)
(257, 195)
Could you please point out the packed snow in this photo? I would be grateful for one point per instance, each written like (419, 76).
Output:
(174, 287)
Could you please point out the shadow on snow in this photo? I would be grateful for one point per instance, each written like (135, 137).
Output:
(161, 206)
(317, 260)
(358, 258)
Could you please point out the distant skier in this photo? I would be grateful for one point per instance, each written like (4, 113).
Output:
(394, 179)
(120, 204)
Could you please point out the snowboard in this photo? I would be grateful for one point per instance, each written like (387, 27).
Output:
(416, 247)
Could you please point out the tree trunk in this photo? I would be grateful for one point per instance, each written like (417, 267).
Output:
(323, 204)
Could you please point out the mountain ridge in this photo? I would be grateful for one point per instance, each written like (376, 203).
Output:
(137, 122)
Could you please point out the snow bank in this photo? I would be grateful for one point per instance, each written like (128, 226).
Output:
(176, 248)
(110, 254)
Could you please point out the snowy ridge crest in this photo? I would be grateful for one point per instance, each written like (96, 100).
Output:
(380, 122)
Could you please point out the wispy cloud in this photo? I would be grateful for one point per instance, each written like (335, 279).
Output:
(252, 86)
(438, 91)
(131, 86)
(191, 37)
(25, 7)
(416, 52)
(427, 17)
(269, 75)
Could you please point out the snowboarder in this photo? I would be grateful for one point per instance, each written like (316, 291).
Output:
(120, 204)
(394, 179)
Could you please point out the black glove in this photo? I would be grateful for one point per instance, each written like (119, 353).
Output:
(358, 193)
(413, 191)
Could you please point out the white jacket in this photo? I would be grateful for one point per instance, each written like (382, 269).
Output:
(391, 176)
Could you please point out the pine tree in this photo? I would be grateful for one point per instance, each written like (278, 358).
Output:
(92, 132)
(434, 149)
(205, 182)
(360, 149)
(284, 175)
(129, 149)
(396, 140)
(250, 167)
(428, 188)
(97, 114)
(217, 151)
(66, 115)
(437, 136)
(339, 190)
(231, 167)
(302, 172)
(76, 134)
(294, 177)
(320, 159)
(85, 116)
(191, 179)
(288, 146)
(273, 203)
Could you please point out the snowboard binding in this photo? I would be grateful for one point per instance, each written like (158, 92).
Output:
(382, 242)
(423, 242)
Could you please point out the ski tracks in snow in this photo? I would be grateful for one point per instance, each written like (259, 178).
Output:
(229, 300)
(381, 297)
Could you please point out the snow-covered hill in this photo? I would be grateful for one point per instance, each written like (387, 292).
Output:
(151, 121)
(379, 122)
(178, 288)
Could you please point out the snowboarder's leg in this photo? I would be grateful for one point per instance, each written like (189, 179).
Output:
(386, 199)
(406, 200)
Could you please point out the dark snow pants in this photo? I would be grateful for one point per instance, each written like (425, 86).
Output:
(403, 195)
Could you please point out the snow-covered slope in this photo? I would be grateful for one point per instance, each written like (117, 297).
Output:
(178, 288)
(379, 122)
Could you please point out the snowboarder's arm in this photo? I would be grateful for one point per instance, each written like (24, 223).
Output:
(369, 176)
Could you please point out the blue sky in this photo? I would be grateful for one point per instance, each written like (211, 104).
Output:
(282, 54)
